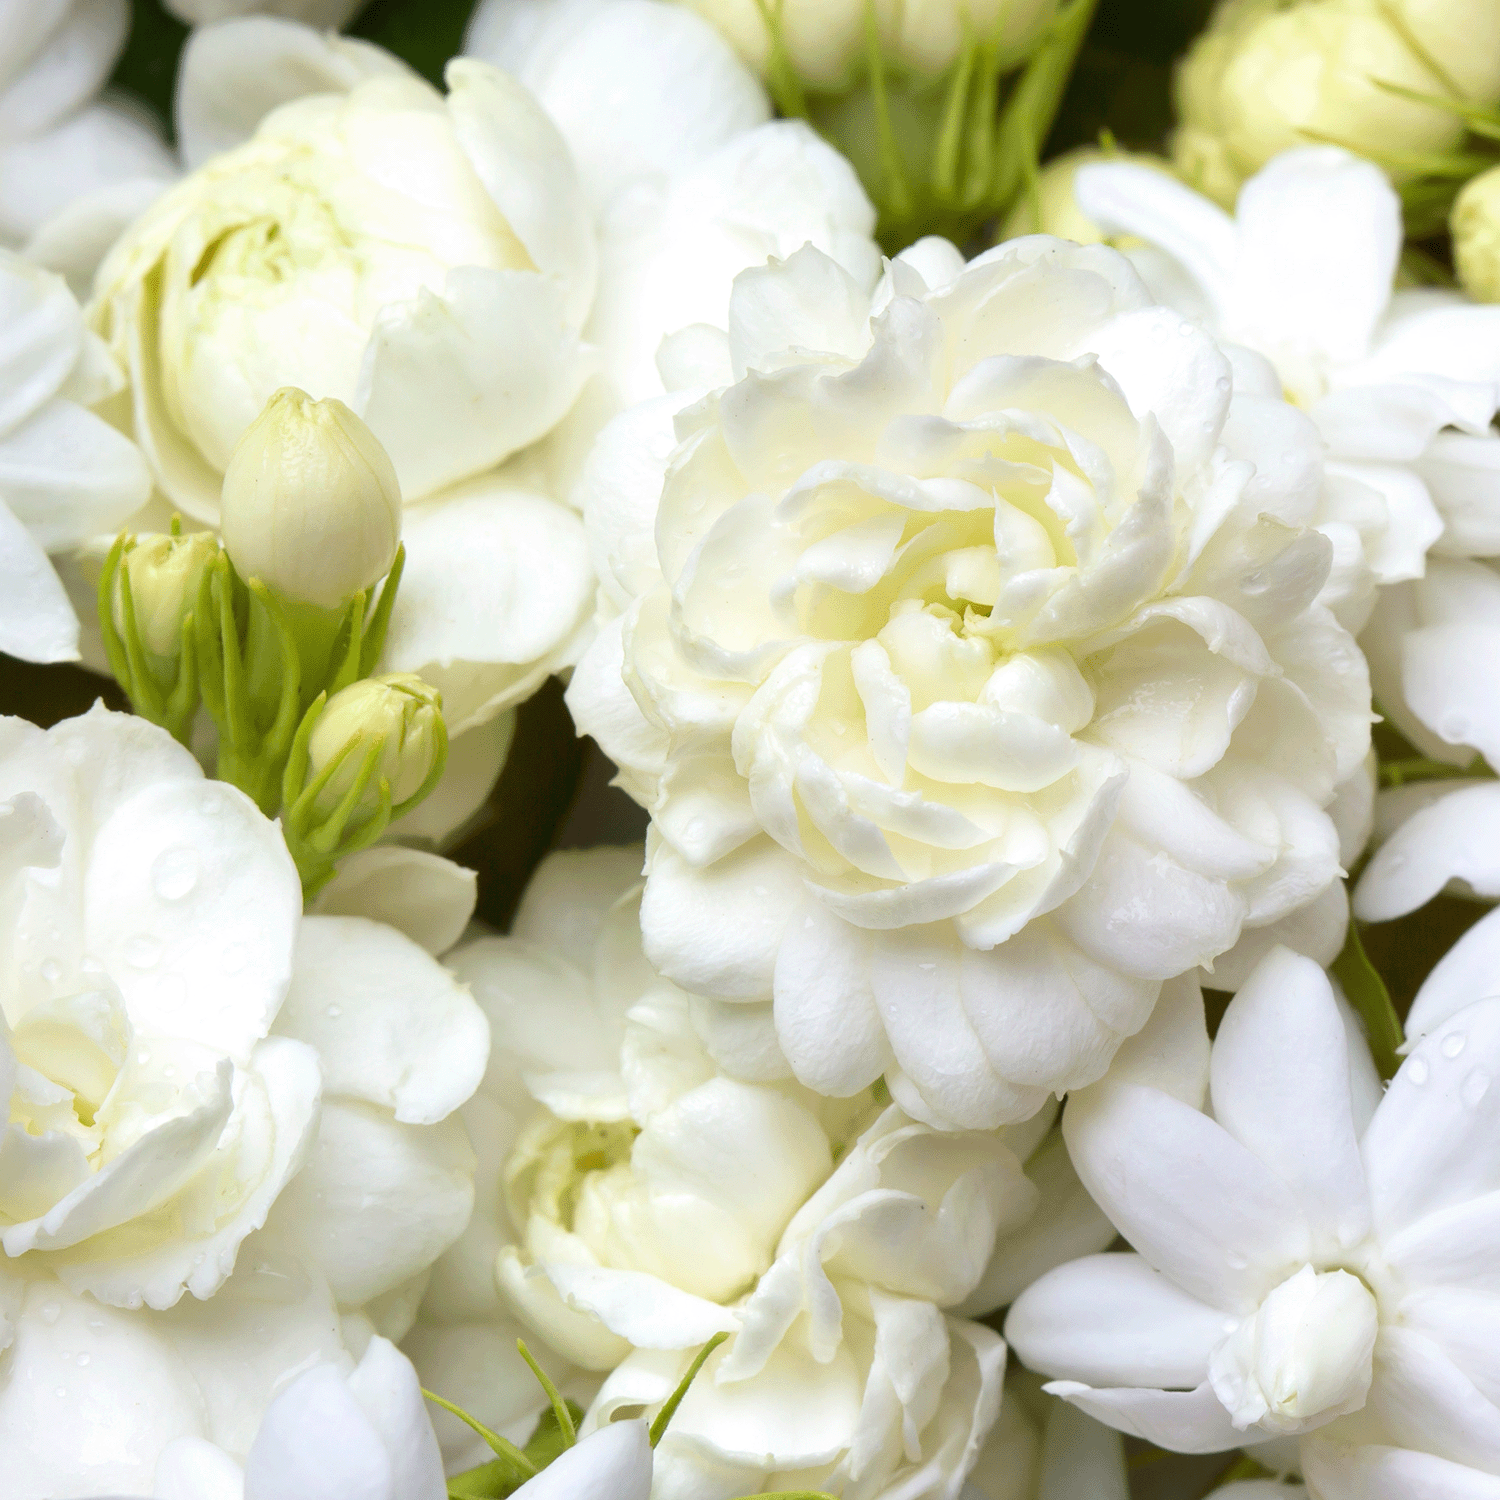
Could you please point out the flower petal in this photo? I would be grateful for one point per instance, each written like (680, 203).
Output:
(1180, 1421)
(1455, 838)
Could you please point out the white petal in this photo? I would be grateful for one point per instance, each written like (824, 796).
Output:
(1421, 1397)
(570, 894)
(1322, 291)
(524, 164)
(231, 75)
(1194, 1202)
(1465, 973)
(1461, 472)
(1423, 1149)
(37, 622)
(684, 936)
(1112, 1320)
(428, 898)
(56, 58)
(377, 1201)
(614, 1461)
(1180, 1421)
(1281, 1086)
(195, 1469)
(647, 1311)
(1368, 1471)
(385, 1385)
(316, 1439)
(391, 1025)
(453, 383)
(1456, 838)
(202, 946)
(497, 582)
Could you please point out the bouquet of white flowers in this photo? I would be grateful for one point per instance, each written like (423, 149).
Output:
(749, 748)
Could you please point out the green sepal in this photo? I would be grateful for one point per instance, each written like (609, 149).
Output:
(1366, 992)
(507, 1471)
(549, 1439)
(164, 690)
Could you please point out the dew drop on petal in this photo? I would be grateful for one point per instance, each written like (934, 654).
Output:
(1235, 1261)
(143, 951)
(174, 873)
(1416, 1071)
(334, 1012)
(51, 1312)
(1454, 1043)
(51, 970)
(1455, 727)
(1475, 1086)
(232, 960)
(83, 1359)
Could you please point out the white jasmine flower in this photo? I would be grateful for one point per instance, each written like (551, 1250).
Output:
(59, 138)
(65, 473)
(1365, 1470)
(1307, 1250)
(187, 1058)
(332, 1430)
(1399, 387)
(1265, 75)
(827, 45)
(944, 631)
(653, 1200)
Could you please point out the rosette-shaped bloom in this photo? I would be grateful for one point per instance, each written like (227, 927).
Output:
(1398, 387)
(58, 137)
(187, 1059)
(634, 1199)
(965, 659)
(65, 473)
(1309, 1251)
(1267, 74)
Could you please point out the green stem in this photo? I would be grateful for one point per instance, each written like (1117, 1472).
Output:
(1367, 993)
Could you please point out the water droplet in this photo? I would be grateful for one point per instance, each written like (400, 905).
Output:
(198, 1259)
(143, 1056)
(334, 1012)
(1208, 426)
(174, 873)
(1222, 383)
(51, 970)
(1454, 1043)
(143, 951)
(232, 960)
(51, 1312)
(1235, 1261)
(61, 1393)
(210, 805)
(1416, 1071)
(1475, 1087)
(83, 1359)
(1455, 727)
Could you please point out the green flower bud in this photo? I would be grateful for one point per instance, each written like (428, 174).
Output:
(164, 575)
(1268, 75)
(1061, 214)
(311, 505)
(400, 713)
(1476, 236)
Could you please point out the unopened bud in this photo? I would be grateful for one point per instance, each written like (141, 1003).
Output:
(1304, 1357)
(1476, 236)
(401, 713)
(311, 505)
(164, 574)
(1268, 75)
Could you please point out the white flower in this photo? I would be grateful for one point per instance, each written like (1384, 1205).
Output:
(1056, 1453)
(629, 1217)
(826, 43)
(58, 137)
(332, 1431)
(1268, 74)
(1354, 1469)
(1308, 1249)
(431, 264)
(1399, 387)
(187, 1058)
(64, 472)
(957, 662)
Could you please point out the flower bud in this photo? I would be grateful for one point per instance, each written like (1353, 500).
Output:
(311, 506)
(165, 573)
(1476, 236)
(402, 713)
(826, 43)
(1305, 1355)
(1267, 76)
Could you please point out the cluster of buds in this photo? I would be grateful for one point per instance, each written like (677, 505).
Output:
(276, 632)
(941, 109)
